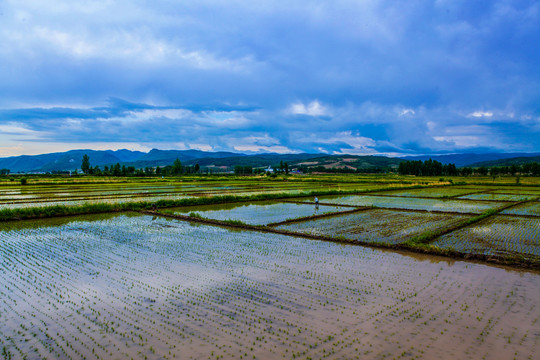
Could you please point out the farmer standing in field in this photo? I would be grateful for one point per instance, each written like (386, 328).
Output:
(316, 203)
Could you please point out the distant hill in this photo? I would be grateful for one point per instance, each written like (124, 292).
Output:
(351, 162)
(258, 160)
(461, 160)
(508, 162)
(157, 157)
(71, 160)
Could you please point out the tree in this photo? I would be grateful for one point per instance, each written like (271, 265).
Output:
(197, 168)
(482, 170)
(177, 167)
(85, 166)
(4, 171)
(117, 170)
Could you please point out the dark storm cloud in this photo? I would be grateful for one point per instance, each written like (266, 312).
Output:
(336, 76)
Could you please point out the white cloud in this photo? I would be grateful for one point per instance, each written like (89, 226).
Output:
(223, 119)
(66, 42)
(360, 145)
(258, 148)
(36, 148)
(480, 114)
(17, 129)
(202, 147)
(258, 143)
(314, 108)
(462, 141)
(407, 112)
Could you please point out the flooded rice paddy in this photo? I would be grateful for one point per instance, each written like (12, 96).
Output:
(260, 213)
(373, 225)
(123, 286)
(72, 195)
(498, 235)
(134, 286)
(410, 203)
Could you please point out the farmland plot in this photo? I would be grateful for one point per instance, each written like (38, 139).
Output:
(499, 197)
(498, 235)
(93, 200)
(260, 213)
(461, 206)
(522, 190)
(529, 208)
(435, 192)
(143, 287)
(12, 197)
(377, 225)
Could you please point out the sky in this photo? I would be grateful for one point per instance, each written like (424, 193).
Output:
(358, 77)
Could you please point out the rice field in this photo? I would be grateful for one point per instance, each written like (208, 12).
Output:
(139, 286)
(13, 197)
(498, 235)
(133, 286)
(377, 225)
(434, 192)
(531, 208)
(260, 213)
(500, 197)
(409, 203)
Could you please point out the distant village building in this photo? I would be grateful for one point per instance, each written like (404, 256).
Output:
(270, 170)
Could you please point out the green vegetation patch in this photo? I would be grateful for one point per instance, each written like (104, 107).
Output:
(376, 225)
(497, 235)
(261, 213)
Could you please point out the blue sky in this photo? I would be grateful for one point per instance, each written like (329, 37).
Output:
(355, 77)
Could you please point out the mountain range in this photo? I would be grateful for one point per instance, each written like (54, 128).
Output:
(71, 160)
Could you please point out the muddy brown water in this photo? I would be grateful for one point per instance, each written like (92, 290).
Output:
(137, 287)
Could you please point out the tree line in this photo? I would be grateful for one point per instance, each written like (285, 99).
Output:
(122, 170)
(435, 168)
(427, 168)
